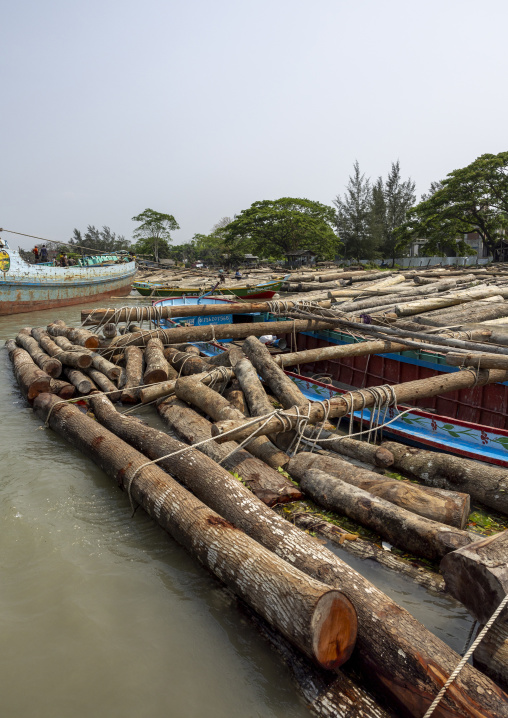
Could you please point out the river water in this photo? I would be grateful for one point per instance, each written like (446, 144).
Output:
(102, 615)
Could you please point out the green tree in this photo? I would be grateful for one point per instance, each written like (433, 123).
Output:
(354, 217)
(399, 197)
(274, 227)
(471, 199)
(154, 233)
(99, 240)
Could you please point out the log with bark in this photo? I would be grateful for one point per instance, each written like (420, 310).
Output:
(483, 482)
(480, 359)
(268, 485)
(491, 656)
(63, 389)
(447, 507)
(404, 529)
(47, 363)
(318, 619)
(216, 406)
(340, 406)
(393, 648)
(83, 337)
(477, 576)
(70, 357)
(105, 384)
(133, 375)
(84, 384)
(354, 449)
(210, 332)
(31, 380)
(157, 368)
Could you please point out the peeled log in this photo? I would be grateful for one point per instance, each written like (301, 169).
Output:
(269, 485)
(216, 406)
(317, 619)
(483, 482)
(47, 363)
(31, 380)
(156, 365)
(447, 507)
(477, 575)
(393, 648)
(484, 361)
(134, 375)
(420, 536)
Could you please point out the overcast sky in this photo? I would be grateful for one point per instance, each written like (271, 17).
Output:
(199, 108)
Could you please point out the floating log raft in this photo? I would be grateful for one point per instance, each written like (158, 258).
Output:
(447, 507)
(483, 482)
(319, 620)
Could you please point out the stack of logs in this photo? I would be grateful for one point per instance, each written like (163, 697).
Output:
(216, 500)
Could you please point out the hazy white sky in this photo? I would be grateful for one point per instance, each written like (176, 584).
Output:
(200, 108)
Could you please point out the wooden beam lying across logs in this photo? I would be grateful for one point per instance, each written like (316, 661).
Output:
(393, 648)
(477, 575)
(210, 332)
(319, 620)
(446, 507)
(98, 316)
(339, 406)
(483, 482)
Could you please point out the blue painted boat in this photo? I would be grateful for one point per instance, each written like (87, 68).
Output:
(417, 427)
(28, 287)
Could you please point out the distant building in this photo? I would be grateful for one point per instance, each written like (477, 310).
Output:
(300, 258)
(250, 259)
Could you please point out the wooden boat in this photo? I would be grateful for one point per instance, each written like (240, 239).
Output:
(264, 290)
(418, 427)
(28, 287)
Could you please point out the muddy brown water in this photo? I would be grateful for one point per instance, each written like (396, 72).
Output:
(104, 615)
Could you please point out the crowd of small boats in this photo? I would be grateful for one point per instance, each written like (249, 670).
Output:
(376, 396)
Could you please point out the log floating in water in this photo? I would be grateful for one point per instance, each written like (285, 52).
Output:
(477, 575)
(31, 380)
(447, 507)
(483, 482)
(102, 381)
(47, 363)
(402, 528)
(80, 336)
(266, 483)
(75, 359)
(319, 620)
(491, 656)
(338, 406)
(84, 384)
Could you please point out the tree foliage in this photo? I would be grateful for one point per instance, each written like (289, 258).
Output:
(153, 235)
(398, 196)
(471, 199)
(274, 227)
(100, 240)
(353, 217)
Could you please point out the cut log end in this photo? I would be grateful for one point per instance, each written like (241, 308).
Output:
(334, 627)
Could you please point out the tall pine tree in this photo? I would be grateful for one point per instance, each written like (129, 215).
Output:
(353, 217)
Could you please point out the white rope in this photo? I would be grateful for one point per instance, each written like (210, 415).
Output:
(479, 638)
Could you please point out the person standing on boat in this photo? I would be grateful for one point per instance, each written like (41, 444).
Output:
(44, 253)
(35, 250)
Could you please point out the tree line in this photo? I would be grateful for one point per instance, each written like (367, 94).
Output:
(370, 220)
